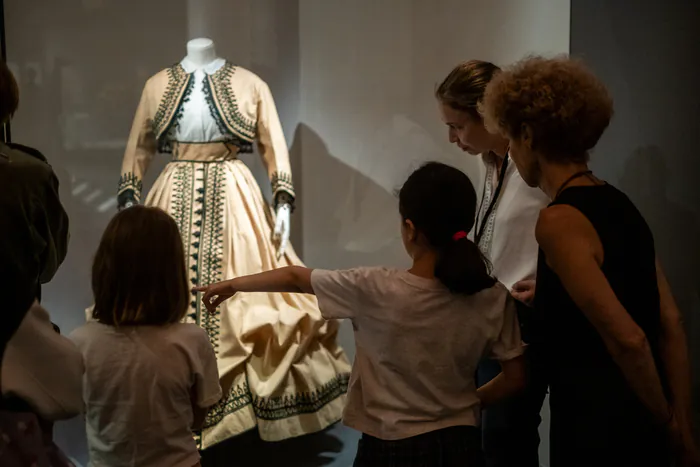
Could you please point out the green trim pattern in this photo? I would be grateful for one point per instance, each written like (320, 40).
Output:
(279, 407)
(282, 181)
(198, 209)
(178, 81)
(181, 211)
(236, 399)
(129, 181)
(244, 146)
(211, 238)
(220, 84)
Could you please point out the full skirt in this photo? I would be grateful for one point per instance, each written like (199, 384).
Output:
(280, 366)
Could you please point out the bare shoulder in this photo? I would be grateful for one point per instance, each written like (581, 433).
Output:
(559, 221)
(563, 231)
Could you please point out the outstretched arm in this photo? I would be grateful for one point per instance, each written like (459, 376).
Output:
(294, 279)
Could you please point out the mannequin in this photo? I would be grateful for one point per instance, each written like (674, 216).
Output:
(201, 51)
(280, 366)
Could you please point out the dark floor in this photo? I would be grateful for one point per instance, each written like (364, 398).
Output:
(334, 447)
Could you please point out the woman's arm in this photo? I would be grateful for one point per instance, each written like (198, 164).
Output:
(509, 382)
(573, 250)
(294, 279)
(674, 352)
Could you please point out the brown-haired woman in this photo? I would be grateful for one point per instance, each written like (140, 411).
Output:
(149, 379)
(616, 349)
(505, 233)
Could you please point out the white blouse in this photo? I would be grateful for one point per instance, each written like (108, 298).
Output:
(197, 124)
(509, 237)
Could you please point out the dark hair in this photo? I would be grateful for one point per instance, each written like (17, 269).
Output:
(9, 93)
(440, 201)
(564, 104)
(464, 87)
(139, 276)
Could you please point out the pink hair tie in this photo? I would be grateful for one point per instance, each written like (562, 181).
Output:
(459, 235)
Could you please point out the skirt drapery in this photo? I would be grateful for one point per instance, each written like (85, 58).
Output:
(280, 366)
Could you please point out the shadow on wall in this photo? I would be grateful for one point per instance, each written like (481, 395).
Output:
(350, 219)
(676, 232)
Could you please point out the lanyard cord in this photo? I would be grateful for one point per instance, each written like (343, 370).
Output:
(501, 178)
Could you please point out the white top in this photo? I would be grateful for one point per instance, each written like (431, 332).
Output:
(43, 368)
(197, 124)
(139, 387)
(509, 237)
(418, 346)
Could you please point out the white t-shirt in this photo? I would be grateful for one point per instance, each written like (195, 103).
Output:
(509, 237)
(418, 346)
(139, 386)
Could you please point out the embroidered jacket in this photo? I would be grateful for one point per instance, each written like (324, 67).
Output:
(240, 102)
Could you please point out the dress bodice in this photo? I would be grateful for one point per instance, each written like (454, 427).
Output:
(218, 103)
(197, 123)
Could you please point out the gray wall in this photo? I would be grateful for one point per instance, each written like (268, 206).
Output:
(647, 53)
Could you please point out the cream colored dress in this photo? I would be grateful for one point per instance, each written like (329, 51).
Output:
(280, 366)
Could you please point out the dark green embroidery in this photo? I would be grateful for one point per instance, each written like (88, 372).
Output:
(129, 189)
(278, 408)
(129, 180)
(282, 181)
(166, 138)
(223, 93)
(182, 212)
(243, 146)
(236, 399)
(177, 80)
(213, 194)
(281, 407)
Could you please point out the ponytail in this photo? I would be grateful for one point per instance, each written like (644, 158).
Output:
(462, 268)
(440, 202)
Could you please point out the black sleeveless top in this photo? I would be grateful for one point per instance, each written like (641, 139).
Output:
(591, 402)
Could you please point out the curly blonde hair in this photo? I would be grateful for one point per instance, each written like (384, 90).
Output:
(566, 107)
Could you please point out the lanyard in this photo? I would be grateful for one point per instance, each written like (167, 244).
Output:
(484, 220)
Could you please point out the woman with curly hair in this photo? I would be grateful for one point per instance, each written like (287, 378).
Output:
(616, 350)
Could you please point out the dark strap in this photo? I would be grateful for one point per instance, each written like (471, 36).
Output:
(583, 173)
(492, 205)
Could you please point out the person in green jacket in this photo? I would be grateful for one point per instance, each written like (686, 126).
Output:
(34, 224)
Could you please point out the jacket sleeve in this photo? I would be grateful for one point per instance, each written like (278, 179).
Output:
(51, 225)
(140, 150)
(43, 368)
(273, 148)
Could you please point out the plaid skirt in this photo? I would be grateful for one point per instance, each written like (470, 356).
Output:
(449, 447)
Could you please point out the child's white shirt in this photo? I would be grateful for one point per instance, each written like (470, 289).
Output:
(139, 386)
(418, 346)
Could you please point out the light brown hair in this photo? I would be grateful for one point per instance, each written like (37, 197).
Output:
(9, 93)
(566, 107)
(464, 87)
(139, 275)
